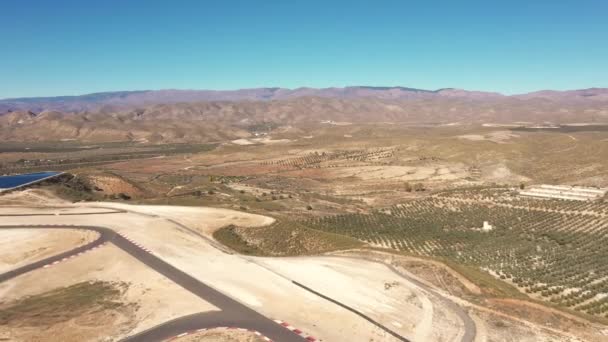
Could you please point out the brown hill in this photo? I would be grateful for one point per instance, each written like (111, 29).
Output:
(213, 121)
(123, 100)
(591, 94)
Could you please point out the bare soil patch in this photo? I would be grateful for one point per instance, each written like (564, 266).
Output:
(95, 308)
(32, 197)
(433, 272)
(155, 298)
(204, 219)
(286, 238)
(109, 184)
(19, 247)
(222, 335)
(497, 137)
(491, 327)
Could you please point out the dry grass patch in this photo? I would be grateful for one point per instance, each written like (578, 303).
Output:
(282, 239)
(223, 335)
(63, 304)
(87, 311)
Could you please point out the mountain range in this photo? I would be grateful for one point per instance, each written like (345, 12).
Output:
(112, 101)
(203, 116)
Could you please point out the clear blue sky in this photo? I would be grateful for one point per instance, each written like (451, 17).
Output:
(59, 47)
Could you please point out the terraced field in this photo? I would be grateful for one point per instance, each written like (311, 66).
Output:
(333, 159)
(554, 250)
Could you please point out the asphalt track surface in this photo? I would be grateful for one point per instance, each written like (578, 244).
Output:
(232, 314)
(103, 237)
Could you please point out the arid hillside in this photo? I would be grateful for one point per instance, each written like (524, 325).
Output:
(214, 121)
(131, 99)
(121, 100)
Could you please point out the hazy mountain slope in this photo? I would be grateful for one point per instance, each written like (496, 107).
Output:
(132, 99)
(115, 101)
(220, 120)
(593, 94)
(69, 103)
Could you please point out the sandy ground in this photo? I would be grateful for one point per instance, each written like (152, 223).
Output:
(496, 328)
(203, 219)
(266, 290)
(242, 142)
(89, 326)
(114, 185)
(31, 197)
(19, 247)
(222, 335)
(497, 136)
(401, 173)
(383, 172)
(157, 298)
(374, 290)
(424, 269)
(501, 173)
(61, 209)
(264, 284)
(265, 140)
(503, 125)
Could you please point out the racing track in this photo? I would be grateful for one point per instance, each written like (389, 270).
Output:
(233, 313)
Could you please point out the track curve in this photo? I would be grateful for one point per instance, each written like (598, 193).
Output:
(232, 313)
(103, 238)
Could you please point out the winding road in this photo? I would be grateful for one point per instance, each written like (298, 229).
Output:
(232, 314)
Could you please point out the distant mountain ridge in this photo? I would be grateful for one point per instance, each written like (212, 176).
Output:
(207, 121)
(121, 100)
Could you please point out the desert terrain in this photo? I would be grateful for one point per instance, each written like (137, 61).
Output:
(378, 286)
(301, 171)
(358, 232)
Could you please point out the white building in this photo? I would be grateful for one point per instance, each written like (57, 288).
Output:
(486, 226)
(566, 192)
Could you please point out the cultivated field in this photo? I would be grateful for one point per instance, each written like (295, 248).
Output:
(386, 219)
(554, 250)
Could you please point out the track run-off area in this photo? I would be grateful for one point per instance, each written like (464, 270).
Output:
(236, 310)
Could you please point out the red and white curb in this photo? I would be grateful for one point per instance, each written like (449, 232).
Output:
(193, 332)
(73, 256)
(136, 243)
(304, 335)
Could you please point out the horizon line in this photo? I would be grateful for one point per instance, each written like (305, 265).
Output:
(302, 87)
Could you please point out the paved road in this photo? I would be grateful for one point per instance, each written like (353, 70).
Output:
(104, 236)
(193, 322)
(233, 313)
